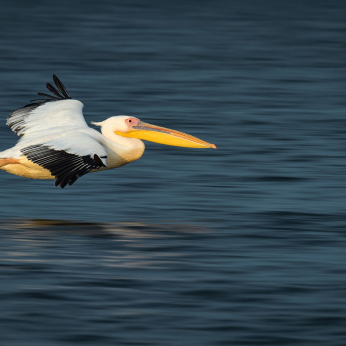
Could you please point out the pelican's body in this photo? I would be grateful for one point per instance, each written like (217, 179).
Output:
(56, 142)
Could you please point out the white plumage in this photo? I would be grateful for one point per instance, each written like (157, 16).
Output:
(59, 125)
(56, 142)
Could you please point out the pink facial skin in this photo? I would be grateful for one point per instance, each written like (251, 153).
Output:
(132, 121)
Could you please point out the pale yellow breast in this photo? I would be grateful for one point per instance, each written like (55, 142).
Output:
(27, 169)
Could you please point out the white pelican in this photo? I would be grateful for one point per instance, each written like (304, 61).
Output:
(56, 142)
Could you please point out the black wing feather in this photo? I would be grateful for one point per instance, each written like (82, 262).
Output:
(66, 167)
(54, 91)
(61, 87)
(48, 96)
(16, 120)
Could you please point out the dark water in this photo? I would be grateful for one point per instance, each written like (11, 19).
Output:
(243, 245)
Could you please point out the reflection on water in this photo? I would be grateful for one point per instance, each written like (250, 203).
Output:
(97, 229)
(75, 282)
(85, 282)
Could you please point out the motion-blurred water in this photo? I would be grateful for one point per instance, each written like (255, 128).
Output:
(243, 245)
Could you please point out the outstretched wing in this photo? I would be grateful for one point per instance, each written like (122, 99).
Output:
(55, 136)
(52, 113)
(67, 165)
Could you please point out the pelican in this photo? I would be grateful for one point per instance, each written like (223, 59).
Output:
(56, 142)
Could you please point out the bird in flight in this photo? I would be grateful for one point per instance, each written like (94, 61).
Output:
(56, 142)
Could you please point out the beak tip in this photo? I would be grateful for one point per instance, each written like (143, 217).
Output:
(214, 146)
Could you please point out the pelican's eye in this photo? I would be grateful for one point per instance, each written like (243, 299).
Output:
(131, 121)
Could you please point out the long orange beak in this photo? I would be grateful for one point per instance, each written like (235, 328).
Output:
(162, 135)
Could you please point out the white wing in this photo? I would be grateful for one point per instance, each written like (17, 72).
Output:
(50, 116)
(55, 136)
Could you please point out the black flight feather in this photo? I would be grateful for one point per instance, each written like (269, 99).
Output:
(98, 161)
(61, 87)
(16, 120)
(54, 91)
(66, 167)
(48, 96)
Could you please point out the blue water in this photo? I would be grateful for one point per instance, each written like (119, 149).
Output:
(243, 245)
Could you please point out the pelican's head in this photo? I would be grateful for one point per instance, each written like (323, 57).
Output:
(132, 127)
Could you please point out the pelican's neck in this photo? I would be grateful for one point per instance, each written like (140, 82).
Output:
(124, 141)
(129, 148)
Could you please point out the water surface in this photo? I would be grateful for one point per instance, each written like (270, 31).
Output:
(243, 245)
